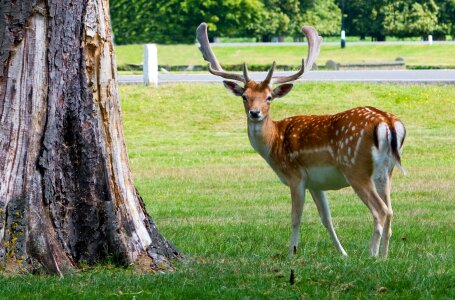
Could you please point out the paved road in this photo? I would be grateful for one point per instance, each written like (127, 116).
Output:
(398, 76)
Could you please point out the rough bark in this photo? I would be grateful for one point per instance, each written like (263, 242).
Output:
(66, 193)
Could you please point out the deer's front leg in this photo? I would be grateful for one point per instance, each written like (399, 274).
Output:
(298, 199)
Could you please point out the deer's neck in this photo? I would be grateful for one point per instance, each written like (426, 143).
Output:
(262, 136)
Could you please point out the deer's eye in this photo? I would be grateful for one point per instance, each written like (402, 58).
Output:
(244, 98)
(269, 98)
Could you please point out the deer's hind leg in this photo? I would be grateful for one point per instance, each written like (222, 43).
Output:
(366, 191)
(382, 184)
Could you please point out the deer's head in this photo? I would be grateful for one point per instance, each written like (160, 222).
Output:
(257, 96)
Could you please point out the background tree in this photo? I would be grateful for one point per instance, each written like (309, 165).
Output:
(273, 23)
(172, 21)
(446, 19)
(66, 193)
(408, 18)
(364, 18)
(324, 14)
(404, 18)
(281, 18)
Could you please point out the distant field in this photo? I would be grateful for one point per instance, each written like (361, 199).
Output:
(218, 201)
(434, 55)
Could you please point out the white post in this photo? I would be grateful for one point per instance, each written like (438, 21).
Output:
(150, 67)
(430, 39)
(343, 39)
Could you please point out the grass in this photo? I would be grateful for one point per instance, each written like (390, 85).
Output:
(220, 203)
(434, 55)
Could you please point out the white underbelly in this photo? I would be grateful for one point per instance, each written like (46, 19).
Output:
(325, 178)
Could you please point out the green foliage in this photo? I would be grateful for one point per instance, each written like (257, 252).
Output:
(446, 18)
(172, 21)
(325, 15)
(219, 202)
(410, 18)
(133, 21)
(273, 23)
(404, 18)
(364, 18)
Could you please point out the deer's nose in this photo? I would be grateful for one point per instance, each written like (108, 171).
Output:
(254, 113)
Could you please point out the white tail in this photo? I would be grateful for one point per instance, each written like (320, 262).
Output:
(358, 147)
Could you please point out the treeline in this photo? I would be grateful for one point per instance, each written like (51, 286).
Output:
(172, 21)
(403, 18)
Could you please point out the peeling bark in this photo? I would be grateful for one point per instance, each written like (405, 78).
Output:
(66, 193)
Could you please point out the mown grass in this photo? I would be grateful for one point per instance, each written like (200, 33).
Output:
(217, 200)
(434, 55)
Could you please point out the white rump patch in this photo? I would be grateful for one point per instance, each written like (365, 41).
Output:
(399, 128)
(384, 136)
(382, 156)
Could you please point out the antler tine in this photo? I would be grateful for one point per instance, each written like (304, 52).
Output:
(245, 73)
(268, 79)
(208, 55)
(226, 75)
(314, 45)
(293, 77)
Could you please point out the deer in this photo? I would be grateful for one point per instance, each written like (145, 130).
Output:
(358, 147)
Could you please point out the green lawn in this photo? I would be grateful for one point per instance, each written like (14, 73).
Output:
(434, 55)
(217, 200)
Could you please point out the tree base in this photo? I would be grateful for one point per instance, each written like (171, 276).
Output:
(66, 193)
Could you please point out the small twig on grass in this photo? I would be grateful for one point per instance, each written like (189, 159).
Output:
(292, 277)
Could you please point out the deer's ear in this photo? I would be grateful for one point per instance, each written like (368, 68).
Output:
(282, 90)
(234, 88)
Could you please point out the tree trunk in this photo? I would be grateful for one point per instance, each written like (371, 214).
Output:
(265, 38)
(379, 37)
(66, 193)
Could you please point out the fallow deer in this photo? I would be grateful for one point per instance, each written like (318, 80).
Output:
(358, 147)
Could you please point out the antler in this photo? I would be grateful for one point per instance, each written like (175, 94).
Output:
(268, 79)
(214, 66)
(314, 45)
